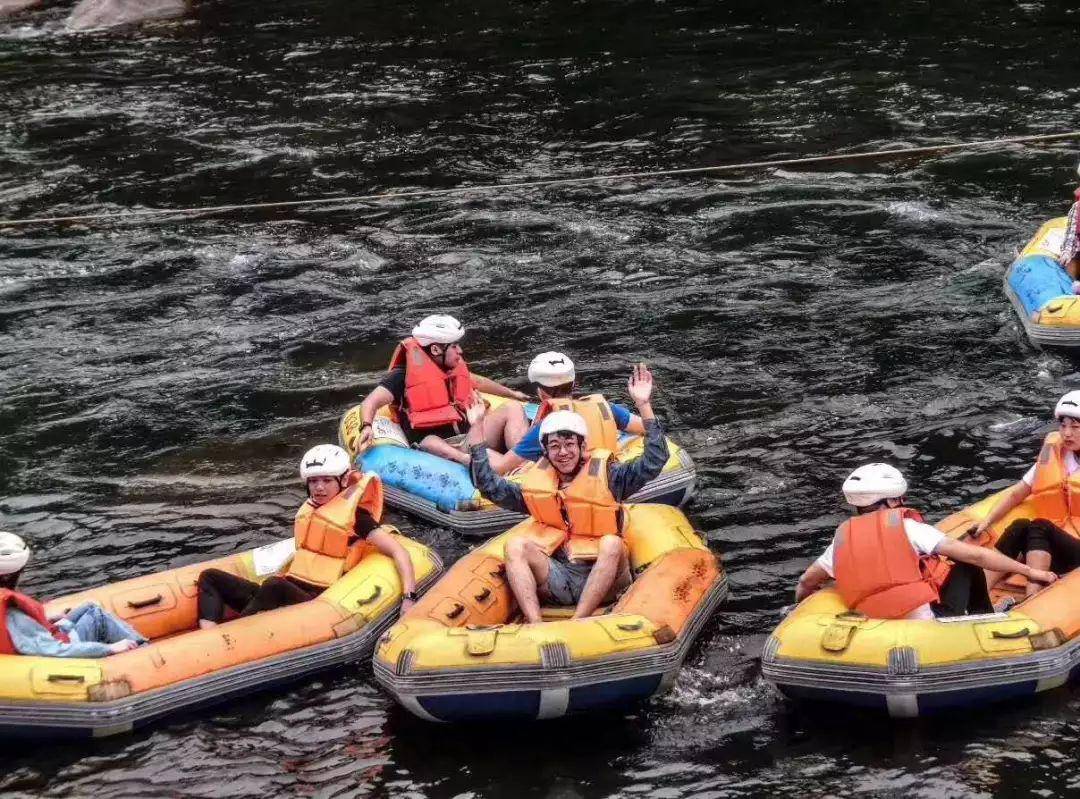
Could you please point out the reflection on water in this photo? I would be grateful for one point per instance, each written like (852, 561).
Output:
(160, 382)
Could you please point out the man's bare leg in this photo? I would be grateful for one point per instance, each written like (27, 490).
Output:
(527, 566)
(612, 568)
(437, 446)
(505, 426)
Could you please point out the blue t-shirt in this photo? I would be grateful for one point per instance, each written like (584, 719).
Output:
(529, 447)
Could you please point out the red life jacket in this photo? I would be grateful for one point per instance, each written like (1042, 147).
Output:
(433, 397)
(877, 571)
(32, 608)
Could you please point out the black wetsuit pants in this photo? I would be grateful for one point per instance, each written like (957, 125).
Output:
(964, 592)
(219, 589)
(1024, 535)
(965, 589)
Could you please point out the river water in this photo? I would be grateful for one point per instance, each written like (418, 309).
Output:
(160, 381)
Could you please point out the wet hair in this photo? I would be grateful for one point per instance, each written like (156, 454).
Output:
(9, 581)
(556, 392)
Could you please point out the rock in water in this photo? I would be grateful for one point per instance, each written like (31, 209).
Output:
(89, 14)
(11, 6)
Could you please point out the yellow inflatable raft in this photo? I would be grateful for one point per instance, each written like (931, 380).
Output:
(442, 492)
(184, 667)
(462, 654)
(1041, 291)
(822, 651)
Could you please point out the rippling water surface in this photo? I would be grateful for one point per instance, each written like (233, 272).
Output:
(160, 381)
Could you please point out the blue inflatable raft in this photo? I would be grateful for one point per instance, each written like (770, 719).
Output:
(442, 492)
(1041, 291)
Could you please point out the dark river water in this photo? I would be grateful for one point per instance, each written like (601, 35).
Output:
(161, 380)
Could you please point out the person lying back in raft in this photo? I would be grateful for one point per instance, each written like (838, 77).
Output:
(429, 385)
(88, 631)
(579, 493)
(335, 528)
(888, 564)
(553, 376)
(1053, 484)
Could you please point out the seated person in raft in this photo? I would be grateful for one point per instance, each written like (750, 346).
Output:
(429, 385)
(1070, 247)
(335, 528)
(88, 631)
(553, 377)
(888, 564)
(579, 493)
(1052, 484)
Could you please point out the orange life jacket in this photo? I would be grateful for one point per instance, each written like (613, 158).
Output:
(603, 432)
(877, 571)
(585, 510)
(1055, 494)
(433, 397)
(325, 540)
(32, 608)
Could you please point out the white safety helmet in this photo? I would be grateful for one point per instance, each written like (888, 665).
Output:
(13, 553)
(438, 329)
(872, 483)
(563, 421)
(325, 460)
(551, 369)
(1069, 405)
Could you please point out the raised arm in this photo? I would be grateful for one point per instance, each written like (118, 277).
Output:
(626, 479)
(502, 492)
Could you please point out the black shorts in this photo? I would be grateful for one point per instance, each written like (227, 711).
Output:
(444, 432)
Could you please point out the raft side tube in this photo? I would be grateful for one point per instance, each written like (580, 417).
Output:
(458, 654)
(184, 667)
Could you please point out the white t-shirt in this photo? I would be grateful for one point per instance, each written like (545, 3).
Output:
(923, 538)
(1071, 465)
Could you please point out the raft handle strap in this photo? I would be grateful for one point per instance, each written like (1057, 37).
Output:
(66, 678)
(852, 615)
(371, 598)
(1018, 634)
(144, 603)
(457, 611)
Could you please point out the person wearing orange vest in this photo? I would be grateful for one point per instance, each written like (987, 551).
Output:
(334, 529)
(576, 492)
(888, 564)
(88, 631)
(429, 385)
(1050, 540)
(554, 376)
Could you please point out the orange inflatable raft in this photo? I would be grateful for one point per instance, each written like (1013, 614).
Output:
(184, 667)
